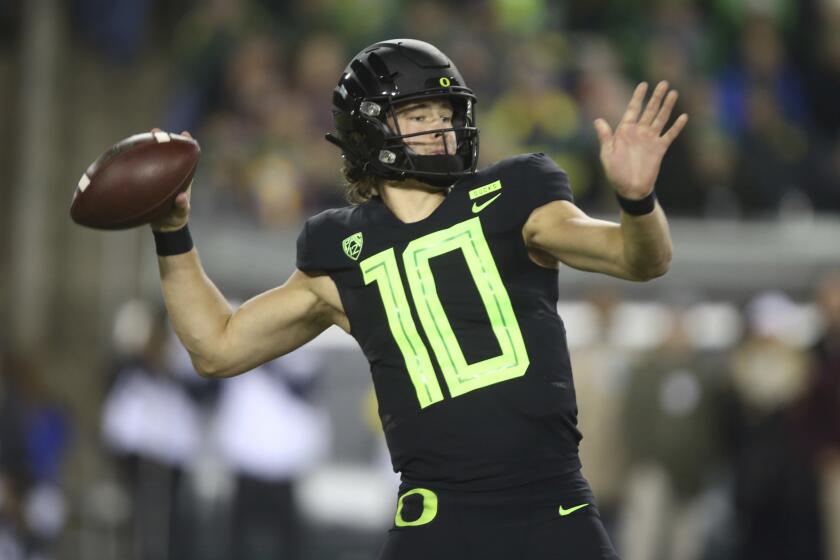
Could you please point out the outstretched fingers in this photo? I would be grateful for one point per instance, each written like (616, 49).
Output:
(631, 115)
(675, 129)
(654, 103)
(665, 112)
(603, 130)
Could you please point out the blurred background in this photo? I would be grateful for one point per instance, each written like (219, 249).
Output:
(709, 398)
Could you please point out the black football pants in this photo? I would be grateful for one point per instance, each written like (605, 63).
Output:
(547, 520)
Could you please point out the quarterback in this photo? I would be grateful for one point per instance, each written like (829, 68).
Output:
(447, 277)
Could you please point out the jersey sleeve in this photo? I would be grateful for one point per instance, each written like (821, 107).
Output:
(319, 244)
(305, 253)
(545, 181)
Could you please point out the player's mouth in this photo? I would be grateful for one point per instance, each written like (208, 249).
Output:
(423, 151)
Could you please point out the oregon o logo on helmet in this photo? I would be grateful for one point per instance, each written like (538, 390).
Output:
(444, 81)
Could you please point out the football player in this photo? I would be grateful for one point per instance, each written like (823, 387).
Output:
(447, 276)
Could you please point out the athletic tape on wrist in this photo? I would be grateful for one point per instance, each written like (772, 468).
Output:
(169, 243)
(637, 207)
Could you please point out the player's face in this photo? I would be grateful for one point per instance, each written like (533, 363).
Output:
(431, 114)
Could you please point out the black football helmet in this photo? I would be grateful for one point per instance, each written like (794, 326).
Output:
(388, 74)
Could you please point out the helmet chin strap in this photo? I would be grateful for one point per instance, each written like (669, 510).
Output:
(443, 164)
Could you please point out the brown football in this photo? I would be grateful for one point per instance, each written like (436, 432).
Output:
(135, 181)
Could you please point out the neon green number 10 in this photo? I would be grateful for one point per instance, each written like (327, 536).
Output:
(460, 376)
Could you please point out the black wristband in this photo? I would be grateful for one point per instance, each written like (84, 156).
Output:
(637, 207)
(168, 243)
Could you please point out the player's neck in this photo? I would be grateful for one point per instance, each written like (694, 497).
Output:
(411, 201)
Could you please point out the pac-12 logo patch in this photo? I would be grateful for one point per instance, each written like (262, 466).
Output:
(353, 246)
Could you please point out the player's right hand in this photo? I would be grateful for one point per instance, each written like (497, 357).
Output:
(178, 217)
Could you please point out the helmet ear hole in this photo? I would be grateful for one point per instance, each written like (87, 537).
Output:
(374, 133)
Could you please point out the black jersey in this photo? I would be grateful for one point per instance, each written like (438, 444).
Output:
(468, 354)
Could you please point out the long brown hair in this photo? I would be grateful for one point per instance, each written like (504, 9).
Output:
(359, 185)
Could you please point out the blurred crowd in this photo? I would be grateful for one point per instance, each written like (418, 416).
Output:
(720, 439)
(196, 469)
(35, 432)
(208, 467)
(759, 80)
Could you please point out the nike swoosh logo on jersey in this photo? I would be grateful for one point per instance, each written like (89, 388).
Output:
(565, 512)
(476, 208)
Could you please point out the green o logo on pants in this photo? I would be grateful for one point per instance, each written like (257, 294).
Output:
(430, 506)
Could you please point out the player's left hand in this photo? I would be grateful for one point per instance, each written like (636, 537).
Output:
(632, 155)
